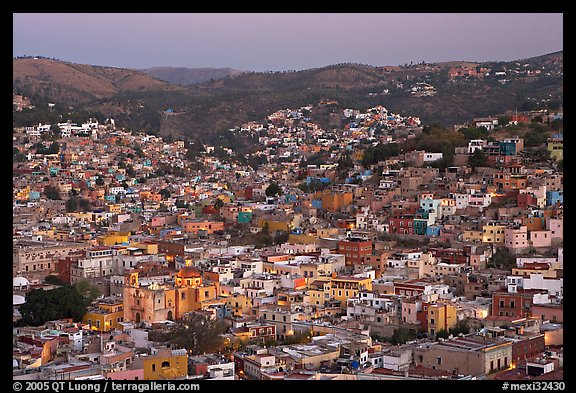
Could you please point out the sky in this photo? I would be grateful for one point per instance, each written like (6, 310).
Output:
(284, 41)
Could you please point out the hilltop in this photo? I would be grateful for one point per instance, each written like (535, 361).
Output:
(72, 83)
(432, 91)
(189, 76)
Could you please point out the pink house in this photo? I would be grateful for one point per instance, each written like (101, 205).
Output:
(541, 238)
(549, 312)
(556, 227)
(130, 375)
(516, 238)
(410, 310)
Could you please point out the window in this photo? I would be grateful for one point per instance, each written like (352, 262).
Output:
(153, 367)
(512, 304)
(439, 360)
(501, 303)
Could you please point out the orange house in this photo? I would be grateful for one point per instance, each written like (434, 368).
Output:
(209, 226)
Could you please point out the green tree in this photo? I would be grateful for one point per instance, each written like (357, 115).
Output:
(218, 203)
(54, 148)
(198, 334)
(84, 204)
(52, 192)
(478, 159)
(281, 237)
(87, 291)
(48, 305)
(55, 130)
(165, 193)
(99, 181)
(72, 205)
(54, 280)
(503, 258)
(273, 189)
(461, 326)
(401, 335)
(442, 333)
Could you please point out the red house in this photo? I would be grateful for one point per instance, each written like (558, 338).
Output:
(514, 304)
(354, 250)
(401, 225)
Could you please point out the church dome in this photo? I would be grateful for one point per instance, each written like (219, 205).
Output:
(188, 272)
(20, 282)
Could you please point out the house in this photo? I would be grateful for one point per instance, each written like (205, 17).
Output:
(166, 364)
(106, 316)
(471, 354)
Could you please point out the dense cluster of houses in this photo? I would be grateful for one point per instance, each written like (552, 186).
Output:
(413, 252)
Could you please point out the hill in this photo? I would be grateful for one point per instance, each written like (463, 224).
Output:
(78, 83)
(205, 111)
(189, 76)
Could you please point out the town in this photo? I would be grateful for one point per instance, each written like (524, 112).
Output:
(380, 249)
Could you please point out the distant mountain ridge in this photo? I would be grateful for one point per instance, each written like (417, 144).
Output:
(185, 76)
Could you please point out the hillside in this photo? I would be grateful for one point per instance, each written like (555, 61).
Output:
(78, 83)
(206, 110)
(189, 76)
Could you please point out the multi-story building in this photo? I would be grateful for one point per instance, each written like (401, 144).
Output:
(35, 260)
(471, 354)
(355, 249)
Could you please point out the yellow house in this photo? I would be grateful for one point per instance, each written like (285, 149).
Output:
(555, 146)
(302, 239)
(275, 225)
(318, 290)
(23, 193)
(167, 364)
(344, 287)
(146, 247)
(441, 316)
(472, 236)
(105, 317)
(239, 304)
(113, 238)
(493, 233)
(114, 208)
(336, 201)
(326, 232)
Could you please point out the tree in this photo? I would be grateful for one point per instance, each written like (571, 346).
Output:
(84, 204)
(87, 291)
(165, 193)
(218, 204)
(54, 280)
(477, 159)
(72, 205)
(401, 335)
(273, 189)
(99, 181)
(461, 326)
(52, 192)
(48, 305)
(281, 237)
(55, 130)
(54, 148)
(198, 334)
(442, 333)
(504, 259)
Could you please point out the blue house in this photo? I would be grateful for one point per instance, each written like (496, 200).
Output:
(433, 230)
(553, 197)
